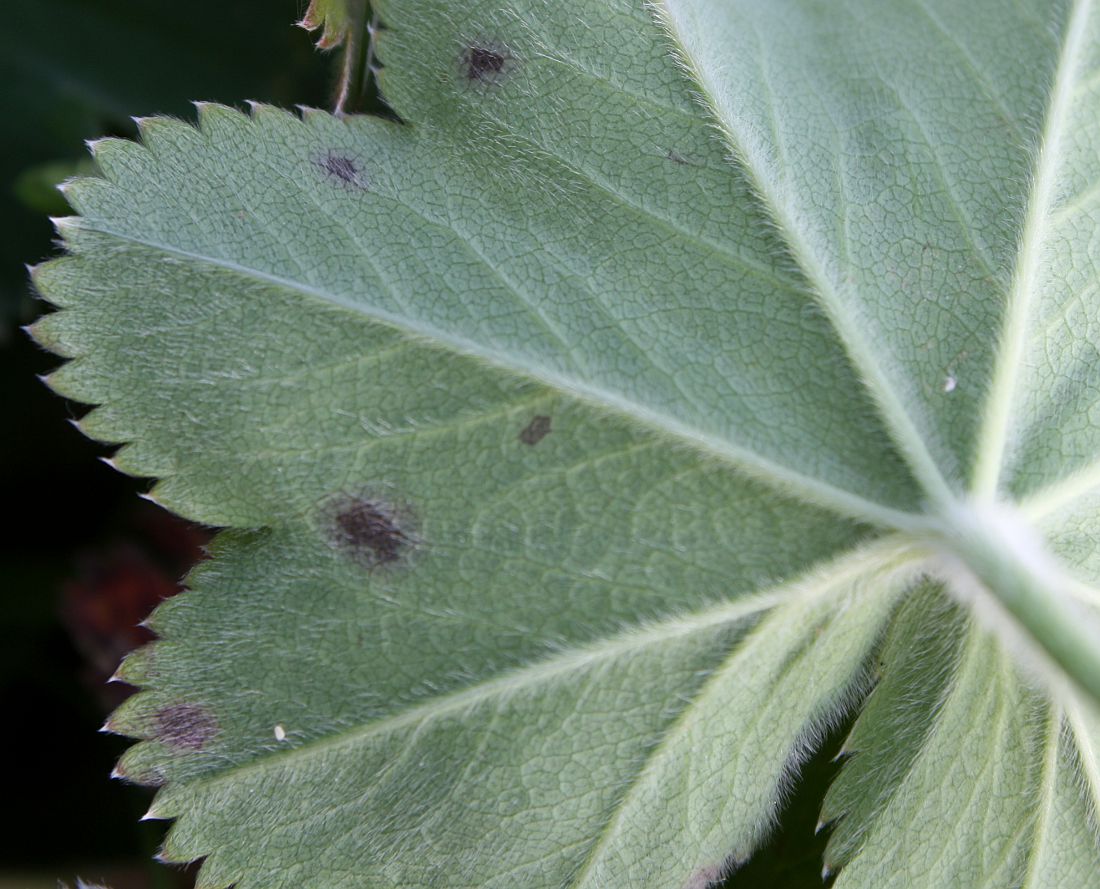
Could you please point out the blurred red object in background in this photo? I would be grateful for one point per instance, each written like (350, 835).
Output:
(118, 585)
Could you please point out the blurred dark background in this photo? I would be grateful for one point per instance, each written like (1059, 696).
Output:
(84, 559)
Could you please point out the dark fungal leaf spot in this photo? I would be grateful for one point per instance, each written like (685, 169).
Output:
(184, 726)
(481, 61)
(536, 430)
(485, 63)
(369, 531)
(343, 169)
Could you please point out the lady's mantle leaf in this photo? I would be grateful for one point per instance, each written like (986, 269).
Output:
(578, 475)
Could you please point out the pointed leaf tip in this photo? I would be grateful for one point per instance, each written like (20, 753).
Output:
(334, 18)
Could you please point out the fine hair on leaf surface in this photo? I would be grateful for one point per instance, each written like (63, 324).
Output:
(667, 386)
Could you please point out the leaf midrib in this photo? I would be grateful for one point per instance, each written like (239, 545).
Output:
(893, 554)
(862, 567)
(521, 679)
(775, 475)
(896, 417)
(993, 437)
(1047, 791)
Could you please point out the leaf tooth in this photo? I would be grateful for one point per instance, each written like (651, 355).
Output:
(95, 145)
(168, 137)
(845, 752)
(152, 497)
(142, 764)
(266, 114)
(312, 116)
(98, 426)
(332, 17)
(151, 814)
(48, 279)
(145, 123)
(104, 425)
(133, 717)
(50, 332)
(215, 119)
(166, 857)
(66, 187)
(129, 459)
(136, 668)
(70, 381)
(159, 620)
(119, 159)
(209, 877)
(39, 274)
(66, 227)
(80, 192)
(181, 846)
(179, 493)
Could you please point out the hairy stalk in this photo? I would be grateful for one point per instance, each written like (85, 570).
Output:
(356, 72)
(990, 547)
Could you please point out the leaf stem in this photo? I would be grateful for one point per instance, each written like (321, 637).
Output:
(1007, 559)
(357, 65)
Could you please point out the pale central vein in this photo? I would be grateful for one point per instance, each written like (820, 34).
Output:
(830, 295)
(752, 464)
(993, 440)
(890, 556)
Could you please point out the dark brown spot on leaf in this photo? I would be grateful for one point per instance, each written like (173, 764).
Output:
(536, 430)
(486, 63)
(185, 726)
(369, 531)
(342, 168)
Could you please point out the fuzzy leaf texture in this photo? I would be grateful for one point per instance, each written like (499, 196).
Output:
(670, 382)
(334, 19)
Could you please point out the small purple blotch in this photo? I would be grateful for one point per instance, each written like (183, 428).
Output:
(369, 531)
(185, 726)
(536, 430)
(342, 168)
(486, 62)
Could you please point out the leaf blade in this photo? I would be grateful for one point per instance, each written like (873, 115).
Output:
(840, 92)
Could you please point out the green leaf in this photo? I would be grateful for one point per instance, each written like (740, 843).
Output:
(594, 440)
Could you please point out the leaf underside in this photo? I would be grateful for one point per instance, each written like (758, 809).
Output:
(574, 439)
